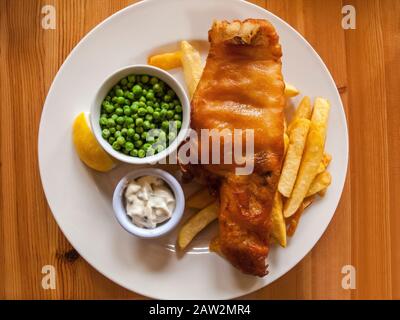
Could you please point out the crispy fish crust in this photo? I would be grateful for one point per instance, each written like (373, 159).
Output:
(242, 88)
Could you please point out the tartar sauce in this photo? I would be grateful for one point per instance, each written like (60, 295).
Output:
(149, 201)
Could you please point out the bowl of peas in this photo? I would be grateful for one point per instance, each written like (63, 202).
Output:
(140, 114)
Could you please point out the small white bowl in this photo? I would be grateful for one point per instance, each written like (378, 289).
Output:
(126, 222)
(111, 81)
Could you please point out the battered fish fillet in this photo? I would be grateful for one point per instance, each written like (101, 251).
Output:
(242, 88)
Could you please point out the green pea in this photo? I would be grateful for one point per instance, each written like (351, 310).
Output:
(178, 124)
(131, 126)
(142, 99)
(125, 151)
(157, 88)
(128, 121)
(110, 123)
(131, 78)
(134, 107)
(118, 127)
(144, 136)
(170, 114)
(139, 122)
(105, 133)
(149, 110)
(109, 108)
(119, 111)
(138, 143)
(120, 100)
(117, 134)
(139, 130)
(156, 116)
(116, 145)
(177, 117)
(152, 126)
(146, 146)
(112, 130)
(141, 104)
(114, 117)
(150, 96)
(124, 132)
(165, 125)
(165, 106)
(146, 124)
(167, 98)
(178, 108)
(119, 93)
(103, 121)
(136, 137)
(111, 140)
(124, 81)
(141, 111)
(120, 120)
(149, 117)
(137, 90)
(121, 140)
(108, 98)
(175, 102)
(131, 132)
(153, 81)
(130, 85)
(144, 79)
(141, 153)
(163, 114)
(127, 110)
(134, 153)
(129, 146)
(129, 95)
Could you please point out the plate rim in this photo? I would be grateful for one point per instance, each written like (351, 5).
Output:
(229, 295)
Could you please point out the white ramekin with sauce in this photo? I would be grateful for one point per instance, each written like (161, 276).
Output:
(139, 227)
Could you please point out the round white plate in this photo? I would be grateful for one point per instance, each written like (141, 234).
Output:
(80, 199)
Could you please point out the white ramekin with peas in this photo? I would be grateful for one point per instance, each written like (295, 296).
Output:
(140, 114)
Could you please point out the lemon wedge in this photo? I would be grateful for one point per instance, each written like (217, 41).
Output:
(87, 147)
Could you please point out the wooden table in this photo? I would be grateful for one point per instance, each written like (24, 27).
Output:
(365, 230)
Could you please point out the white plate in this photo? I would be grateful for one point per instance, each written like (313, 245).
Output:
(81, 199)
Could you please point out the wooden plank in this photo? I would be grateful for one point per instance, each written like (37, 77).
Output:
(365, 229)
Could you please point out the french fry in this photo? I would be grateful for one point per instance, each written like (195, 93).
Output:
(312, 156)
(166, 61)
(294, 221)
(326, 160)
(303, 111)
(322, 192)
(197, 223)
(200, 199)
(286, 142)
(215, 245)
(321, 167)
(278, 222)
(290, 90)
(308, 201)
(192, 67)
(321, 182)
(297, 140)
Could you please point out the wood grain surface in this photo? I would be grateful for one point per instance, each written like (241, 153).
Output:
(365, 231)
